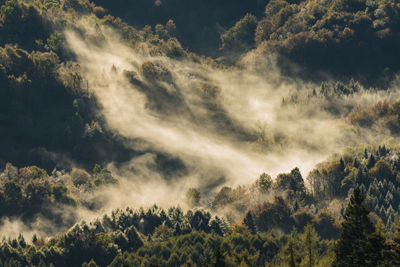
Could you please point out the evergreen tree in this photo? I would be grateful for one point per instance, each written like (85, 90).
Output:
(218, 258)
(134, 241)
(377, 246)
(355, 244)
(309, 241)
(371, 162)
(360, 177)
(392, 255)
(249, 222)
(291, 252)
(365, 154)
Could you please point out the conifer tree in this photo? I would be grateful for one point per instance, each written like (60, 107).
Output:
(249, 222)
(377, 245)
(290, 251)
(218, 258)
(355, 242)
(392, 254)
(371, 162)
(309, 240)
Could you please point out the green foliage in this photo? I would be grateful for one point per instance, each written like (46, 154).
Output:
(309, 240)
(264, 183)
(80, 177)
(241, 36)
(54, 42)
(102, 176)
(198, 24)
(60, 194)
(249, 222)
(383, 115)
(21, 23)
(345, 38)
(35, 71)
(33, 79)
(292, 181)
(354, 245)
(82, 245)
(115, 241)
(376, 174)
(393, 246)
(292, 258)
(153, 71)
(13, 196)
(37, 173)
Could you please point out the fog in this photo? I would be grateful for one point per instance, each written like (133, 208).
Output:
(226, 125)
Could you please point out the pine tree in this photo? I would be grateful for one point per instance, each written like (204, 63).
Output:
(360, 177)
(392, 254)
(291, 252)
(377, 247)
(365, 154)
(218, 258)
(134, 241)
(371, 162)
(355, 243)
(309, 241)
(249, 222)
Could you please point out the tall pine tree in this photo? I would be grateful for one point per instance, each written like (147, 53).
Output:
(249, 222)
(392, 255)
(309, 242)
(357, 239)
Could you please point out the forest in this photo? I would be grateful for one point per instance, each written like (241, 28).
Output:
(199, 133)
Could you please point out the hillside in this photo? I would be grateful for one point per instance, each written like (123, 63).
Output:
(351, 39)
(198, 24)
(215, 133)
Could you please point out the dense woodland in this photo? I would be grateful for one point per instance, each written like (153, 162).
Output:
(55, 145)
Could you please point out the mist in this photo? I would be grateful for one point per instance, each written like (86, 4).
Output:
(236, 130)
(226, 125)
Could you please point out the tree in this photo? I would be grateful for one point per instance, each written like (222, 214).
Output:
(60, 194)
(218, 258)
(381, 171)
(392, 254)
(249, 222)
(378, 245)
(264, 183)
(241, 36)
(371, 162)
(193, 197)
(134, 241)
(79, 177)
(310, 240)
(355, 244)
(14, 196)
(291, 181)
(290, 252)
(102, 176)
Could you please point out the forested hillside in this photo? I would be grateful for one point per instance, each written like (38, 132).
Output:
(344, 38)
(199, 133)
(196, 24)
